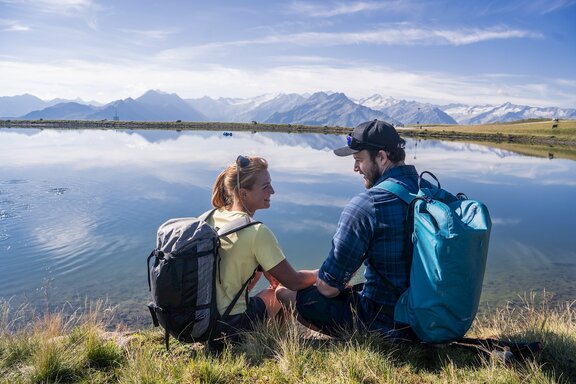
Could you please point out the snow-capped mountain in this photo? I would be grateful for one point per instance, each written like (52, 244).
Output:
(408, 112)
(484, 114)
(245, 110)
(321, 108)
(328, 109)
(151, 106)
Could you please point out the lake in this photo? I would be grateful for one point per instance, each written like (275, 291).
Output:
(79, 209)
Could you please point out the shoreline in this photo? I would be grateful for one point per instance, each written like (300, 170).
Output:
(515, 132)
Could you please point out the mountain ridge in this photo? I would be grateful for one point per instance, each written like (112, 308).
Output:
(320, 108)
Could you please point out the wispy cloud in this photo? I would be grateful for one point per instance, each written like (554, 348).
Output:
(13, 26)
(54, 6)
(547, 6)
(517, 7)
(155, 34)
(463, 37)
(338, 8)
(149, 37)
(121, 79)
(407, 36)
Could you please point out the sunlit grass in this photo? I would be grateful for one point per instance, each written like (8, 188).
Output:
(78, 348)
(562, 132)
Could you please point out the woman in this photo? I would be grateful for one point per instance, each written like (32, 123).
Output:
(241, 189)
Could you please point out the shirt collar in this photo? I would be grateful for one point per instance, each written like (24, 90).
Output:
(396, 172)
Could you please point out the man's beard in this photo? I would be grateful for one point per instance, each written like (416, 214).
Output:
(371, 176)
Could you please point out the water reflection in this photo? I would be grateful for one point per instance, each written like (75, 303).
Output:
(79, 209)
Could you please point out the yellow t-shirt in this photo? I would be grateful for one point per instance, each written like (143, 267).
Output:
(241, 252)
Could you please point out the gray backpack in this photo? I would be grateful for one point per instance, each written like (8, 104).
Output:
(182, 280)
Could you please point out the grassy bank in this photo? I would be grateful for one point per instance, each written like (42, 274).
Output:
(56, 348)
(543, 132)
(169, 125)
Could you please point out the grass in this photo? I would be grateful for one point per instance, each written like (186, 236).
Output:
(77, 348)
(562, 133)
(530, 131)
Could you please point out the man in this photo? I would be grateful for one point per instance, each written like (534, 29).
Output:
(371, 230)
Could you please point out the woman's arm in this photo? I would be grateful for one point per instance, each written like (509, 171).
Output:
(291, 279)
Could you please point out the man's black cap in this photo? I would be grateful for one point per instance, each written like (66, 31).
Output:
(374, 134)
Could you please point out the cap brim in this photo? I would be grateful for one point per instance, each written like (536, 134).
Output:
(345, 151)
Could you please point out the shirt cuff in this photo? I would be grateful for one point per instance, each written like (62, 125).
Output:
(331, 280)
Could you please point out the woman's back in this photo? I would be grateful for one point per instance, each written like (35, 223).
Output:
(241, 253)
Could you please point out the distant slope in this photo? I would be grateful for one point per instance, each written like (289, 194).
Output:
(506, 112)
(245, 110)
(328, 109)
(152, 106)
(408, 112)
(12, 106)
(62, 111)
(321, 108)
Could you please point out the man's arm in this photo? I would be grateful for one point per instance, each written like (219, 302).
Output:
(349, 244)
(326, 289)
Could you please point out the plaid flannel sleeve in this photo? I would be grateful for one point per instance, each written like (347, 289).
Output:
(352, 239)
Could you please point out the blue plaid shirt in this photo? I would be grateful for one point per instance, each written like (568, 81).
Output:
(371, 231)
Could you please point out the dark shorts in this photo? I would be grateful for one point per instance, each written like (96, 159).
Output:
(350, 310)
(235, 325)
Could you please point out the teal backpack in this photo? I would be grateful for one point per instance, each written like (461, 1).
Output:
(448, 247)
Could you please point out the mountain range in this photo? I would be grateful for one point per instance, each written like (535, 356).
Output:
(320, 108)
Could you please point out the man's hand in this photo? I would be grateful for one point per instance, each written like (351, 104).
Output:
(273, 281)
(325, 289)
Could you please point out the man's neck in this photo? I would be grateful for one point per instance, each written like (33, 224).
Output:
(389, 165)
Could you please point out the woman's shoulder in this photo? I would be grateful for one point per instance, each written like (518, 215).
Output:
(222, 217)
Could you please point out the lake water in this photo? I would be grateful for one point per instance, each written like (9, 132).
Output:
(79, 209)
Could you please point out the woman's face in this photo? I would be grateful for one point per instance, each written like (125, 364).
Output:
(259, 196)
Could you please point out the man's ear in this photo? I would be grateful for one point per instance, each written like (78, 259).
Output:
(382, 157)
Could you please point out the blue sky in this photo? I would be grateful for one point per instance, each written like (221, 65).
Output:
(472, 52)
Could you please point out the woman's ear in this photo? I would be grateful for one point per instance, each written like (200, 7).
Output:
(243, 193)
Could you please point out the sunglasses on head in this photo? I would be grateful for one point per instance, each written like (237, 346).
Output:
(241, 162)
(358, 145)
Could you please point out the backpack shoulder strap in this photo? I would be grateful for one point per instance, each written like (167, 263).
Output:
(206, 215)
(236, 225)
(408, 198)
(396, 189)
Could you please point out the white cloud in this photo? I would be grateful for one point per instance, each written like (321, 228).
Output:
(119, 80)
(318, 199)
(308, 226)
(337, 9)
(464, 37)
(504, 221)
(547, 6)
(13, 26)
(397, 35)
(54, 6)
(154, 34)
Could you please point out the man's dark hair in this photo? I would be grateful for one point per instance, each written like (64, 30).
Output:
(395, 155)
